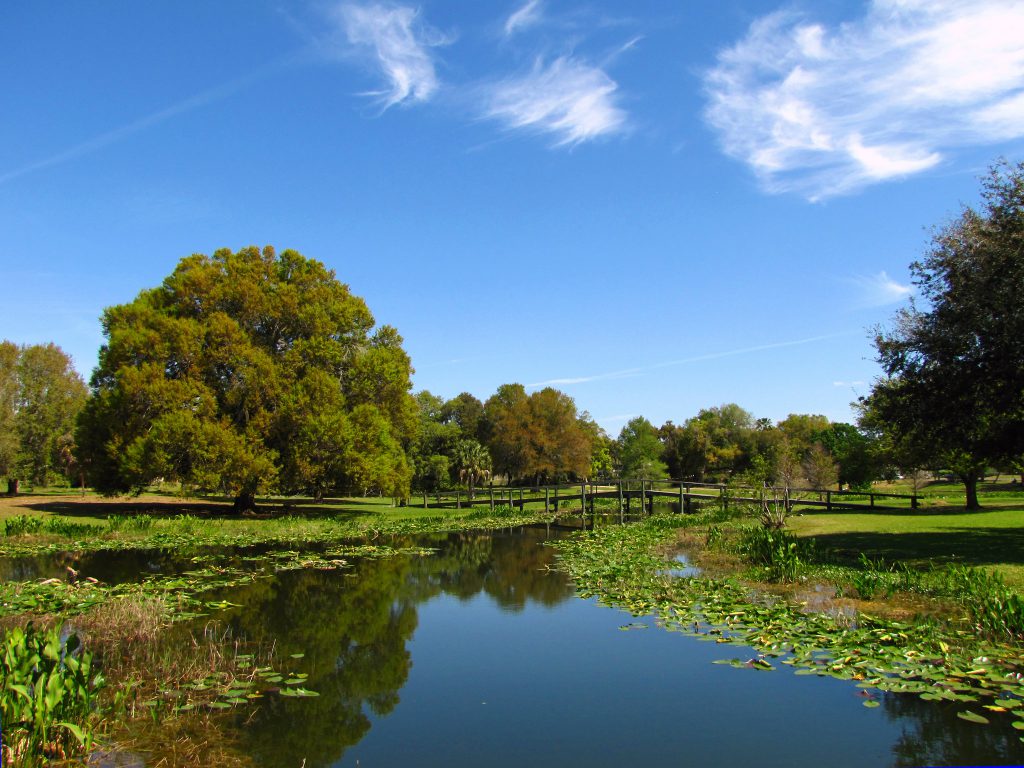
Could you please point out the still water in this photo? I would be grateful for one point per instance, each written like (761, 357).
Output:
(479, 655)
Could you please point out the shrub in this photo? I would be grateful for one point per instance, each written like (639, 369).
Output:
(781, 553)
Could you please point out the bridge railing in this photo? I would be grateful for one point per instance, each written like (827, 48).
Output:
(685, 491)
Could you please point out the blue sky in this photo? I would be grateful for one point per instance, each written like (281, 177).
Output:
(654, 206)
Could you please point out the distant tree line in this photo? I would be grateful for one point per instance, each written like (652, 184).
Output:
(254, 372)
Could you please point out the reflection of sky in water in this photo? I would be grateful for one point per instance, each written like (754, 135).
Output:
(563, 686)
(480, 655)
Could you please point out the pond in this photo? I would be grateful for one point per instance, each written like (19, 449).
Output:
(481, 654)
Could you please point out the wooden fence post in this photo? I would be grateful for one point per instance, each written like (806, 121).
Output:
(828, 501)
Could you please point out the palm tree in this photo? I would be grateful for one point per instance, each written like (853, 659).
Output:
(474, 463)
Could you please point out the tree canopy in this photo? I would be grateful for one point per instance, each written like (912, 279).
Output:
(953, 389)
(248, 372)
(40, 396)
(539, 436)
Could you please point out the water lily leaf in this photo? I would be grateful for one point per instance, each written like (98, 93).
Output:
(871, 703)
(297, 692)
(972, 717)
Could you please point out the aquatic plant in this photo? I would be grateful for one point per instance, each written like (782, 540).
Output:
(779, 552)
(23, 525)
(869, 580)
(994, 609)
(936, 661)
(137, 523)
(48, 695)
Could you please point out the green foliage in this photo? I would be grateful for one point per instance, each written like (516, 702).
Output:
(246, 372)
(48, 696)
(40, 397)
(58, 526)
(22, 524)
(953, 392)
(870, 579)
(928, 659)
(134, 523)
(716, 443)
(779, 552)
(640, 451)
(8, 406)
(995, 610)
(855, 452)
(473, 462)
(540, 437)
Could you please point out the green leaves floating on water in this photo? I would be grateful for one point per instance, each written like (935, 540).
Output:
(619, 567)
(297, 692)
(972, 717)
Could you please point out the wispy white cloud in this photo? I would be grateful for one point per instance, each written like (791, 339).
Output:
(823, 111)
(634, 372)
(880, 290)
(568, 381)
(847, 384)
(146, 122)
(569, 99)
(399, 45)
(525, 16)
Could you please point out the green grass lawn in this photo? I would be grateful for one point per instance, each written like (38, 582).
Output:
(990, 538)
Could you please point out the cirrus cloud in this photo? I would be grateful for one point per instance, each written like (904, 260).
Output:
(397, 45)
(823, 111)
(568, 98)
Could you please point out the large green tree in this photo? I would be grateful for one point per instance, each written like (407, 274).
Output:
(539, 436)
(953, 389)
(40, 396)
(8, 407)
(248, 372)
(640, 451)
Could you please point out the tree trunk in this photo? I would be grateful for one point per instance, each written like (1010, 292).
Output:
(971, 484)
(245, 501)
(12, 486)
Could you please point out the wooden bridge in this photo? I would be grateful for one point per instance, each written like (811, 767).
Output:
(644, 494)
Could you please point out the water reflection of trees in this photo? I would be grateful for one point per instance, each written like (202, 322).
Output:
(932, 734)
(353, 628)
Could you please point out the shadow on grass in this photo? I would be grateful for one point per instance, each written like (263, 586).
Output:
(922, 511)
(967, 546)
(208, 508)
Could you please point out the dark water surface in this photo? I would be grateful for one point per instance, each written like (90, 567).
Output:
(481, 656)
